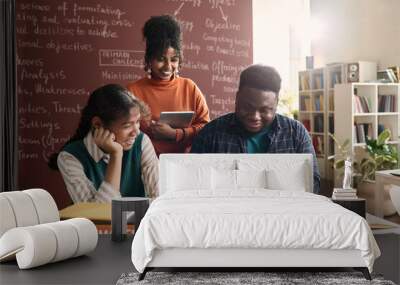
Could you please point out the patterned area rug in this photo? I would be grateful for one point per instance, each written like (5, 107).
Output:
(242, 278)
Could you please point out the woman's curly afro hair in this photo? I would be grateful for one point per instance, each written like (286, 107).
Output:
(160, 33)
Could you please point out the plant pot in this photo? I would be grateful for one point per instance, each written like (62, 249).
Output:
(388, 206)
(367, 190)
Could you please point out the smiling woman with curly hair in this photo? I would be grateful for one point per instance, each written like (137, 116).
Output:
(164, 90)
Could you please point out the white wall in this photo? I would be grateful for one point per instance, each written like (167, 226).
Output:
(351, 30)
(280, 38)
(270, 38)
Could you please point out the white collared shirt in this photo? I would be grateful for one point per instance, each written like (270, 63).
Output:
(81, 189)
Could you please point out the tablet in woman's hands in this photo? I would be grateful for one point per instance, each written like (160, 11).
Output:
(176, 120)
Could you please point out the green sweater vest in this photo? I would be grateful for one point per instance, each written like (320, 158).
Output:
(131, 174)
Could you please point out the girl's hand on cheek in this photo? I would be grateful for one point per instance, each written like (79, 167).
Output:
(105, 140)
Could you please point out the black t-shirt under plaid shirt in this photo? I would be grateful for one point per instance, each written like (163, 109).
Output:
(226, 135)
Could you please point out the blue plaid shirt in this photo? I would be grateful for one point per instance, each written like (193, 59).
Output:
(226, 135)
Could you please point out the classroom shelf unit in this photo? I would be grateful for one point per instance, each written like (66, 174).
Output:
(366, 109)
(317, 104)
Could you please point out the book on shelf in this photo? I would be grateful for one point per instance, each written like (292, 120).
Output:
(362, 132)
(331, 122)
(386, 76)
(318, 81)
(331, 146)
(306, 124)
(318, 145)
(361, 104)
(339, 194)
(319, 123)
(331, 102)
(344, 194)
(342, 190)
(304, 82)
(305, 103)
(319, 103)
(392, 75)
(336, 78)
(396, 71)
(387, 103)
(336, 196)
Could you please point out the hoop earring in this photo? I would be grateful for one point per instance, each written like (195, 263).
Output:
(148, 72)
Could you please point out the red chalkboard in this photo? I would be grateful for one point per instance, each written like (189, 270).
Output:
(65, 49)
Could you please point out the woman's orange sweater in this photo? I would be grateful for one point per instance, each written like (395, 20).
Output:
(178, 94)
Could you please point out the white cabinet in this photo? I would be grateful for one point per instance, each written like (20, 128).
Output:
(366, 109)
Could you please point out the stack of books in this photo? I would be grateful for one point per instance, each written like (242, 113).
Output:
(344, 194)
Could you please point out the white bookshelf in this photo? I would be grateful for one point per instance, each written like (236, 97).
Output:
(317, 103)
(377, 118)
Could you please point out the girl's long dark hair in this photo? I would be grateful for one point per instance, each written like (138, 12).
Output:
(109, 103)
(160, 33)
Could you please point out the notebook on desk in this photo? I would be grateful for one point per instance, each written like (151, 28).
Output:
(99, 213)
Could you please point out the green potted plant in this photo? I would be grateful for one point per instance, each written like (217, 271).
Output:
(343, 152)
(380, 156)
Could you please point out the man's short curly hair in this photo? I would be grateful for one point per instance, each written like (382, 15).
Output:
(160, 33)
(261, 77)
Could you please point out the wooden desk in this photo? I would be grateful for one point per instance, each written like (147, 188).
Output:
(383, 177)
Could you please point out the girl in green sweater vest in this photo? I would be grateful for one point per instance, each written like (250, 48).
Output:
(108, 156)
